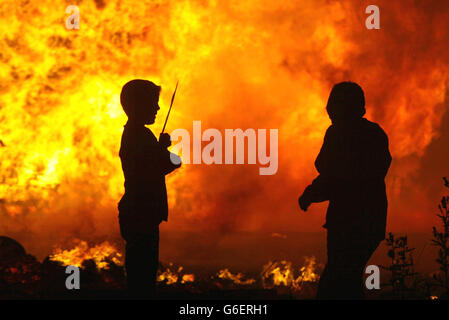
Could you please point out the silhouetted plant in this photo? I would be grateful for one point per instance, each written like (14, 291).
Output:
(402, 265)
(440, 240)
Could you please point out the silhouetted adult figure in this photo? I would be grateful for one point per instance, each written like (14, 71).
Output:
(352, 166)
(145, 162)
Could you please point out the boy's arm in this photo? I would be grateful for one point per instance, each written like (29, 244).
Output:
(169, 160)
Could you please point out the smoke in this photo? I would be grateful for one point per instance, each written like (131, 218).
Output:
(240, 65)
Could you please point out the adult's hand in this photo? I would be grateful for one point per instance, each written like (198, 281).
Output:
(304, 203)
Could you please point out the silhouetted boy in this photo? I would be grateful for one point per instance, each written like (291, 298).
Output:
(352, 166)
(145, 162)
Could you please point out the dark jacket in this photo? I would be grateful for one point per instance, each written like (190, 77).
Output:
(352, 166)
(145, 164)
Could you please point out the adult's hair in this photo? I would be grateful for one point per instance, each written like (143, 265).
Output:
(137, 94)
(346, 101)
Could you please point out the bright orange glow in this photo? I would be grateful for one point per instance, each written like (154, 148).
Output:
(99, 253)
(241, 64)
(281, 273)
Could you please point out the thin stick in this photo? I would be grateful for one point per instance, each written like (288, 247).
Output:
(171, 104)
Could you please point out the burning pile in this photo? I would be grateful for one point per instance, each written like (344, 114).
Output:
(171, 275)
(20, 273)
(281, 273)
(102, 273)
(235, 278)
(100, 253)
(23, 276)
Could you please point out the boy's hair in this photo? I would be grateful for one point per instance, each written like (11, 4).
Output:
(346, 100)
(135, 93)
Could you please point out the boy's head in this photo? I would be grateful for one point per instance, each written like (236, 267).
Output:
(139, 99)
(346, 102)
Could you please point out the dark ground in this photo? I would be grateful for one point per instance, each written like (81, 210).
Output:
(22, 276)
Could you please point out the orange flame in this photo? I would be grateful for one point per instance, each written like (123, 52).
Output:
(281, 273)
(100, 253)
(236, 278)
(170, 276)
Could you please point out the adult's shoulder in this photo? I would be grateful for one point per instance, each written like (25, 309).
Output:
(330, 130)
(373, 126)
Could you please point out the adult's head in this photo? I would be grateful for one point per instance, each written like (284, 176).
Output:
(346, 103)
(140, 100)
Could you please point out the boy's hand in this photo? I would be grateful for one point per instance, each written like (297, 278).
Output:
(165, 140)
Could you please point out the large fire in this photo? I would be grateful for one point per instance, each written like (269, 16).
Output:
(241, 64)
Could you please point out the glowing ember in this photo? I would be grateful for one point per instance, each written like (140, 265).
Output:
(188, 278)
(236, 278)
(277, 273)
(172, 275)
(100, 253)
(282, 274)
(307, 272)
(279, 235)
